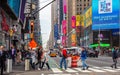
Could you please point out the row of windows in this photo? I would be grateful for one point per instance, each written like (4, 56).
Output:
(84, 4)
(83, 0)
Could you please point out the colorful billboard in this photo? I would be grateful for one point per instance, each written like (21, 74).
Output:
(105, 14)
(15, 6)
(88, 17)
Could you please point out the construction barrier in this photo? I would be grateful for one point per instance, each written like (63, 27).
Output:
(74, 62)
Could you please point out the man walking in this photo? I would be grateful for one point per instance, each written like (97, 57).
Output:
(114, 57)
(63, 59)
(2, 59)
(83, 59)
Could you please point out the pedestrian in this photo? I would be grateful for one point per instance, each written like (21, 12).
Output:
(114, 57)
(33, 58)
(2, 59)
(13, 54)
(63, 59)
(83, 57)
(18, 57)
(39, 55)
(44, 60)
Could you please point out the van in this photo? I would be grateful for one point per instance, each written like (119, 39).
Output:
(73, 51)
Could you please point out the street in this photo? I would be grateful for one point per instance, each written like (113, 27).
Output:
(98, 66)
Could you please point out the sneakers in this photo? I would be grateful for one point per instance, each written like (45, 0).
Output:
(111, 66)
(83, 68)
(38, 68)
(87, 67)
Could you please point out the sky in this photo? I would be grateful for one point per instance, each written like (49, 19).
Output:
(45, 21)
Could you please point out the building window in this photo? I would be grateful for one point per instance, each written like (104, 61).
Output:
(88, 4)
(84, 0)
(80, 8)
(84, 4)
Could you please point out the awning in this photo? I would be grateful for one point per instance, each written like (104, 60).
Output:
(101, 45)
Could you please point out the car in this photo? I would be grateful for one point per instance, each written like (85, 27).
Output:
(92, 53)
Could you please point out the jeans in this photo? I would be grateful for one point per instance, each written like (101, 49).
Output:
(46, 64)
(65, 64)
(84, 63)
(115, 63)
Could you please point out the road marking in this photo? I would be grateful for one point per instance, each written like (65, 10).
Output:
(42, 74)
(79, 69)
(106, 69)
(59, 74)
(96, 70)
(70, 70)
(56, 70)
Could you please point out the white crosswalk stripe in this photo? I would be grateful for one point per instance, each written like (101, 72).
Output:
(70, 70)
(80, 70)
(91, 69)
(56, 70)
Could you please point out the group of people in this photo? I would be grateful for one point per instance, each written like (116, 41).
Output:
(41, 57)
(83, 57)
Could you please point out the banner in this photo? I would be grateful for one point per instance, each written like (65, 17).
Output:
(73, 39)
(64, 7)
(73, 22)
(77, 20)
(88, 17)
(64, 40)
(64, 29)
(82, 20)
(105, 14)
(56, 34)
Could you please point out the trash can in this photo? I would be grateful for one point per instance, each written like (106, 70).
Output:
(27, 64)
(9, 65)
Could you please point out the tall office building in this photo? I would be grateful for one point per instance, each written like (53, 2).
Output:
(37, 28)
(75, 7)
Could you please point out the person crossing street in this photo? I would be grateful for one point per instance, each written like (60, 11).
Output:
(83, 57)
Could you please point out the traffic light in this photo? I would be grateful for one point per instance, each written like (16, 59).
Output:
(32, 26)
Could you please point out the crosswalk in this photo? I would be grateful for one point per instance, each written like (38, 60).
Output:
(91, 69)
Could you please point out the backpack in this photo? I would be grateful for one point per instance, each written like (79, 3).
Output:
(64, 52)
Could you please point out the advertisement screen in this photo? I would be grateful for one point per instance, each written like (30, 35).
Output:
(105, 14)
(15, 6)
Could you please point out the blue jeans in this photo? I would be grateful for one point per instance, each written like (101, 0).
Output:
(65, 64)
(84, 63)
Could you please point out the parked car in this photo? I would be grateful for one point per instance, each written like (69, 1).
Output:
(92, 53)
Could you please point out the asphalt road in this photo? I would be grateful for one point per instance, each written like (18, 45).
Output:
(98, 66)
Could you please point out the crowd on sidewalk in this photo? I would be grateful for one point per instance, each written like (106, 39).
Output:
(36, 57)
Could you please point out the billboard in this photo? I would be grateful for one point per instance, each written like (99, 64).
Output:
(15, 6)
(105, 14)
